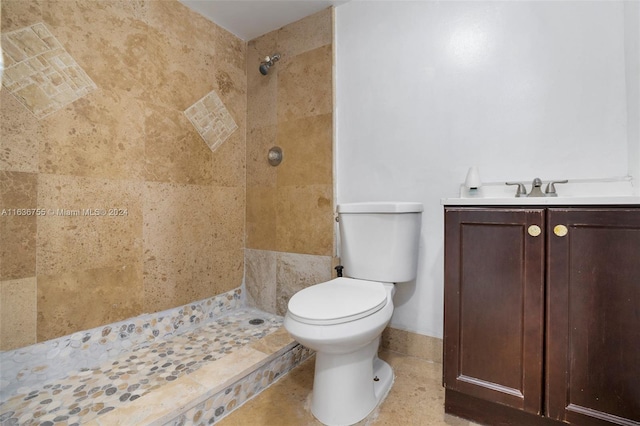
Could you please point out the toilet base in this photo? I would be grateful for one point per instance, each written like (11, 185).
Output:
(345, 389)
(384, 373)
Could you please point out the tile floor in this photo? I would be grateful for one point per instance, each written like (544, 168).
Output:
(416, 398)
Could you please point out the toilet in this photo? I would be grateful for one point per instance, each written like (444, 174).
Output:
(343, 319)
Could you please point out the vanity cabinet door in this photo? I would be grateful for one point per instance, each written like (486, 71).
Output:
(494, 305)
(593, 325)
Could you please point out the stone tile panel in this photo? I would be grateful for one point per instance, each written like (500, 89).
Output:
(72, 301)
(15, 14)
(307, 145)
(260, 279)
(228, 219)
(193, 239)
(174, 152)
(21, 134)
(101, 135)
(259, 172)
(295, 272)
(17, 313)
(262, 89)
(110, 41)
(182, 68)
(90, 223)
(228, 162)
(305, 219)
(18, 224)
(228, 266)
(178, 243)
(261, 221)
(305, 85)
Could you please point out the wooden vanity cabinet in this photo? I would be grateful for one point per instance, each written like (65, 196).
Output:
(542, 315)
(494, 312)
(593, 319)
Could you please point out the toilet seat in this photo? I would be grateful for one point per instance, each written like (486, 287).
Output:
(337, 301)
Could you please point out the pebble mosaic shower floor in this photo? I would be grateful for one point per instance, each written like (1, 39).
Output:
(89, 393)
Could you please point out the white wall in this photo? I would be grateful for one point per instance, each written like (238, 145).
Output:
(426, 89)
(632, 63)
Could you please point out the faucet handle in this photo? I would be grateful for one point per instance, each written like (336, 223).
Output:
(521, 191)
(550, 190)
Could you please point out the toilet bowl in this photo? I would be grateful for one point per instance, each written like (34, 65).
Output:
(350, 379)
(343, 319)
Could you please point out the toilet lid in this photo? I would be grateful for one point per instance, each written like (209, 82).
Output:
(337, 301)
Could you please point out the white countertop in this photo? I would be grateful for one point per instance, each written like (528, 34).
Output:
(615, 191)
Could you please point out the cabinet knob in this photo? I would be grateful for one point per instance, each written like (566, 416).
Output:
(560, 230)
(534, 230)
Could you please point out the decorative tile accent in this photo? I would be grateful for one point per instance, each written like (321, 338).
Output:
(212, 120)
(40, 72)
(89, 393)
(56, 358)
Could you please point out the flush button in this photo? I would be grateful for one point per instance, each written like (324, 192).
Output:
(560, 230)
(534, 230)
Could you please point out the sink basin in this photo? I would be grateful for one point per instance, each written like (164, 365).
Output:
(575, 192)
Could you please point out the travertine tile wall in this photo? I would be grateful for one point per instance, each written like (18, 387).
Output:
(126, 144)
(290, 223)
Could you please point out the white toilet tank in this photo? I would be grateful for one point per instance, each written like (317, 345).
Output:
(379, 241)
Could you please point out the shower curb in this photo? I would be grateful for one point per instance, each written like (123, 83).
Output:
(189, 401)
(251, 385)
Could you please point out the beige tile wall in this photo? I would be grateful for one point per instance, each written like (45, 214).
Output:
(125, 144)
(290, 207)
(290, 223)
(129, 144)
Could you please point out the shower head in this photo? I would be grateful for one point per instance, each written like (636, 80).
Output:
(268, 62)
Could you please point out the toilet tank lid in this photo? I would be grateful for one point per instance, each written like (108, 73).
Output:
(380, 207)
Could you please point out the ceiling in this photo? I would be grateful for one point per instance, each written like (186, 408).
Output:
(248, 19)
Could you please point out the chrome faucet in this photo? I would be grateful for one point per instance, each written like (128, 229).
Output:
(536, 188)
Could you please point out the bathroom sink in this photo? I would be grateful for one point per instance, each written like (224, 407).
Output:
(575, 192)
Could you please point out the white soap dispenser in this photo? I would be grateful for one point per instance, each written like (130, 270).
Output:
(473, 183)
